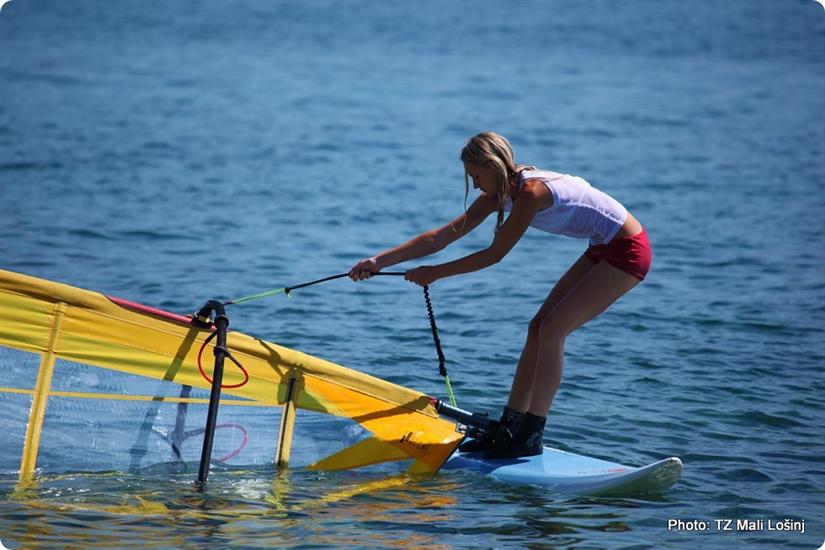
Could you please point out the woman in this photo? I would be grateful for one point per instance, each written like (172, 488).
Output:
(617, 259)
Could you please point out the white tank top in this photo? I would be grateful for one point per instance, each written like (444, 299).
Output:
(579, 210)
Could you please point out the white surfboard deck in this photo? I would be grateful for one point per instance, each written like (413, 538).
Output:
(571, 473)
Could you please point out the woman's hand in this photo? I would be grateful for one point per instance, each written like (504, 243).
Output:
(364, 269)
(424, 275)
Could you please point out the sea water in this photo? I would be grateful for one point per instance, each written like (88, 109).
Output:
(172, 152)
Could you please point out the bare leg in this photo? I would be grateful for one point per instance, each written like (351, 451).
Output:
(596, 291)
(526, 370)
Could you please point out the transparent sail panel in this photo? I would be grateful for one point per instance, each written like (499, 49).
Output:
(100, 420)
(79, 377)
(18, 369)
(113, 435)
(14, 413)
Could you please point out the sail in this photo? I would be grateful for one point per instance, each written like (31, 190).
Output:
(57, 321)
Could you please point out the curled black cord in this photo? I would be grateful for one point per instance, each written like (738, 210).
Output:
(442, 361)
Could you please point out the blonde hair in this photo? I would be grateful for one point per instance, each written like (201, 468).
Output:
(492, 150)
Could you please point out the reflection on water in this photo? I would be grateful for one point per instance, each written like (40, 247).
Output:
(288, 507)
(290, 503)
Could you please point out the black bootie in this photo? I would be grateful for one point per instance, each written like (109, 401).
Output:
(527, 441)
(489, 438)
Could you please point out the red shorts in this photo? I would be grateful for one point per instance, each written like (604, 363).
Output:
(630, 254)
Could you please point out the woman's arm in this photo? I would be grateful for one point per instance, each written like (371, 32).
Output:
(529, 201)
(428, 242)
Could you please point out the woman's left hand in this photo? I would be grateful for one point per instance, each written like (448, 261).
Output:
(424, 275)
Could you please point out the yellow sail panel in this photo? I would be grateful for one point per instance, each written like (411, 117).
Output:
(368, 451)
(103, 332)
(399, 424)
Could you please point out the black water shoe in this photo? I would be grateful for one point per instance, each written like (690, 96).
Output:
(484, 440)
(527, 441)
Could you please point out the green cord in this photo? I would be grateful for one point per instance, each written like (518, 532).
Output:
(256, 296)
(450, 391)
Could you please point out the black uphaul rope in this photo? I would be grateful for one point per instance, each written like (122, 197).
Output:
(442, 361)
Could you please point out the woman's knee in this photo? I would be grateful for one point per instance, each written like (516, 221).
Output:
(553, 329)
(534, 328)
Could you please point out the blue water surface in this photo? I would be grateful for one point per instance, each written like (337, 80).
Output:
(171, 152)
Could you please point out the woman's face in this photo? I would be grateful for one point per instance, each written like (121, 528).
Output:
(484, 178)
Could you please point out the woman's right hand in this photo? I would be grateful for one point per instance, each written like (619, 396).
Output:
(364, 269)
